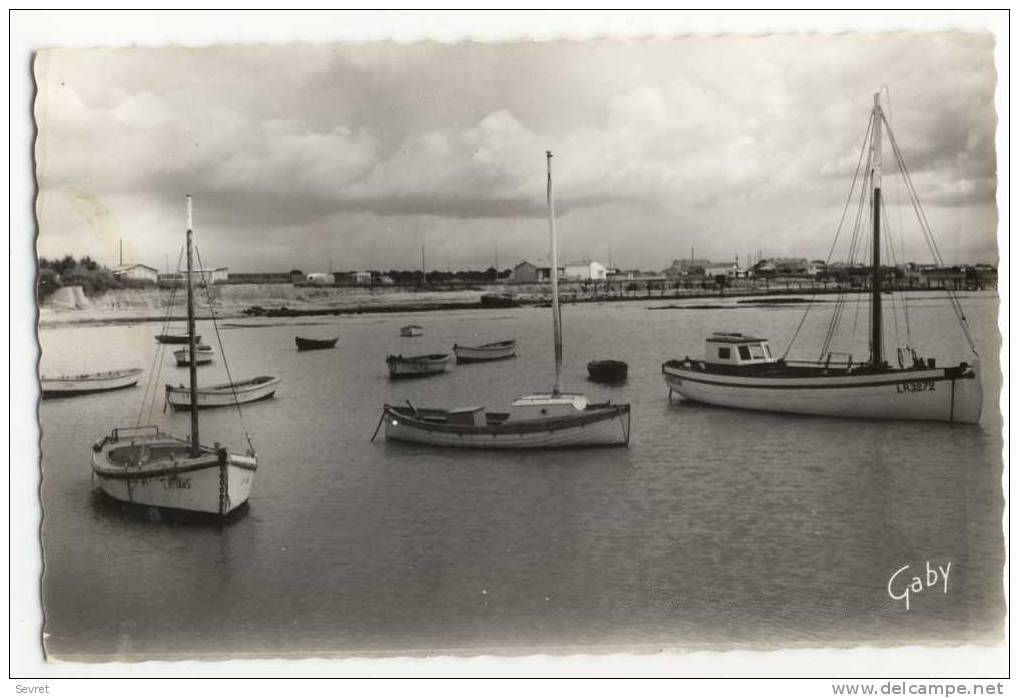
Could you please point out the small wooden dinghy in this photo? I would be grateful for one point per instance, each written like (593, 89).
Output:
(310, 344)
(224, 394)
(607, 371)
(493, 351)
(85, 383)
(176, 338)
(411, 331)
(414, 366)
(203, 355)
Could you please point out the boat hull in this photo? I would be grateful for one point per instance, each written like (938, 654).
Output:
(417, 366)
(951, 395)
(183, 484)
(306, 344)
(175, 338)
(179, 397)
(183, 357)
(608, 426)
(607, 371)
(486, 352)
(70, 386)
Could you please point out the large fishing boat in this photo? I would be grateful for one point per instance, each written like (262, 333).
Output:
(741, 371)
(541, 420)
(143, 465)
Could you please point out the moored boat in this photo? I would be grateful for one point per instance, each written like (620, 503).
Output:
(493, 351)
(556, 419)
(203, 354)
(142, 465)
(224, 394)
(313, 343)
(740, 371)
(411, 331)
(415, 366)
(607, 371)
(176, 338)
(85, 383)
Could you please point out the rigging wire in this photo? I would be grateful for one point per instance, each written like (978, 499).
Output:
(155, 369)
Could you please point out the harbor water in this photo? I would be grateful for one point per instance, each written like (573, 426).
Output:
(715, 529)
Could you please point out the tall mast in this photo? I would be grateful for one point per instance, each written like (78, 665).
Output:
(423, 272)
(192, 365)
(876, 358)
(556, 319)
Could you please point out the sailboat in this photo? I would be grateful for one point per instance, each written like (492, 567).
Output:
(740, 370)
(145, 466)
(542, 420)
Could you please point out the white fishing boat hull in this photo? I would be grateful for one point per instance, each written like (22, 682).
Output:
(411, 331)
(417, 366)
(486, 352)
(214, 483)
(202, 356)
(223, 395)
(610, 427)
(939, 394)
(68, 386)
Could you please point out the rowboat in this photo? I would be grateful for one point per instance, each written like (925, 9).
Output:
(143, 465)
(224, 394)
(414, 366)
(310, 344)
(556, 419)
(492, 351)
(607, 371)
(411, 331)
(740, 370)
(203, 355)
(85, 383)
(176, 338)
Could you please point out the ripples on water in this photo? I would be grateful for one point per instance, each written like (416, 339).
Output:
(715, 528)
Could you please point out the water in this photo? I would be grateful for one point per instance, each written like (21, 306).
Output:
(716, 528)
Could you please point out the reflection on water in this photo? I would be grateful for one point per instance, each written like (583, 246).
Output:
(715, 528)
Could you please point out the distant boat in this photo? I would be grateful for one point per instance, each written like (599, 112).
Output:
(85, 383)
(176, 338)
(224, 394)
(607, 371)
(492, 351)
(310, 344)
(203, 355)
(740, 371)
(414, 366)
(541, 420)
(411, 331)
(145, 466)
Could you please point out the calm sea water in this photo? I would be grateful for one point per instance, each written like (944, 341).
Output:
(716, 528)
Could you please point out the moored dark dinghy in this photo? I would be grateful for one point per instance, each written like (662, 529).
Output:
(415, 366)
(310, 344)
(607, 371)
(411, 331)
(85, 383)
(176, 338)
(493, 351)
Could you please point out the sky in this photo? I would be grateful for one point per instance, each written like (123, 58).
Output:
(357, 155)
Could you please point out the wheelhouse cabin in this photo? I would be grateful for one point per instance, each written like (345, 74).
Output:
(735, 349)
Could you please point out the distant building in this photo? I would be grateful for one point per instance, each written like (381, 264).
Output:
(585, 270)
(263, 277)
(524, 272)
(203, 277)
(321, 279)
(353, 278)
(138, 272)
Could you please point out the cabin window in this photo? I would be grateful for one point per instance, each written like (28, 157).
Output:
(757, 351)
(744, 353)
(767, 350)
(724, 352)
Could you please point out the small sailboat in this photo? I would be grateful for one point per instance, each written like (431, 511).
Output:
(313, 343)
(85, 383)
(224, 394)
(493, 351)
(203, 354)
(171, 338)
(416, 366)
(411, 331)
(740, 371)
(540, 420)
(144, 465)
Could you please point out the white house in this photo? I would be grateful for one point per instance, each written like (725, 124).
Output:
(585, 270)
(321, 279)
(139, 272)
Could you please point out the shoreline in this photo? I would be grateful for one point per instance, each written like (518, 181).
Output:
(743, 297)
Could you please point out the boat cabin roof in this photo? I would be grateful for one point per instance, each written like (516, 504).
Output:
(539, 399)
(734, 338)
